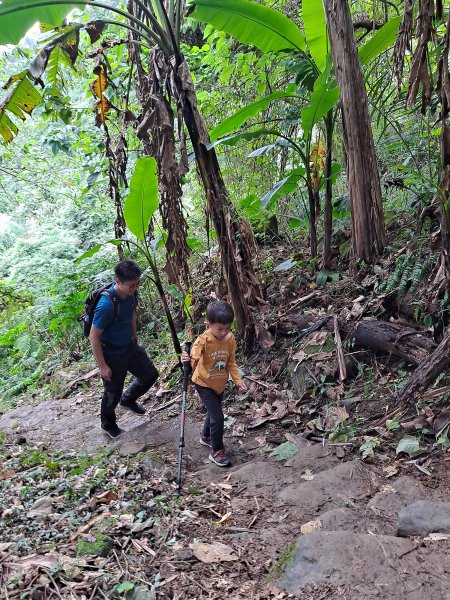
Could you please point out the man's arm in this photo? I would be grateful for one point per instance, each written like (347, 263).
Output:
(94, 338)
(133, 329)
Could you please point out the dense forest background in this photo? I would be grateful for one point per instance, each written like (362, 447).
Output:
(247, 167)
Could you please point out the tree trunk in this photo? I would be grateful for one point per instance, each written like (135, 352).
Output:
(427, 371)
(234, 237)
(368, 232)
(444, 188)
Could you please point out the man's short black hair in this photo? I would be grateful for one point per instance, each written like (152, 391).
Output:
(127, 270)
(220, 312)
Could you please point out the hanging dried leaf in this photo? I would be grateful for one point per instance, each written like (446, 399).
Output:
(419, 66)
(403, 41)
(101, 83)
(102, 107)
(95, 29)
(98, 86)
(317, 161)
(68, 41)
(157, 123)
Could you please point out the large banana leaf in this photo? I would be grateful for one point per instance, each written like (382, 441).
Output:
(251, 23)
(322, 100)
(17, 16)
(92, 251)
(142, 201)
(236, 120)
(283, 187)
(232, 140)
(383, 38)
(20, 101)
(316, 31)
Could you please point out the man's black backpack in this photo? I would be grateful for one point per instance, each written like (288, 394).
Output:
(91, 302)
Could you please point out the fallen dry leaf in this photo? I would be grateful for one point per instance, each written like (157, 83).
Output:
(41, 508)
(264, 337)
(105, 498)
(212, 553)
(4, 546)
(225, 517)
(311, 526)
(23, 564)
(390, 470)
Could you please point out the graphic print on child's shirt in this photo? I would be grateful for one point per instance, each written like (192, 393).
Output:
(219, 360)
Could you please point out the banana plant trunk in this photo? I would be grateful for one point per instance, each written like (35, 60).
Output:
(234, 237)
(368, 230)
(328, 210)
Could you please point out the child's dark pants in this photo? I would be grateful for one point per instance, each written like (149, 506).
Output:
(136, 361)
(213, 426)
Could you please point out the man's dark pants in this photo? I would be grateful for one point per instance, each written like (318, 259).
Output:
(136, 361)
(214, 422)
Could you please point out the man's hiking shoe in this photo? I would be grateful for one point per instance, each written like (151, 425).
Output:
(220, 459)
(134, 406)
(205, 441)
(113, 431)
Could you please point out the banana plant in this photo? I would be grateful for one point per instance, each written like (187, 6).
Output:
(156, 24)
(139, 209)
(271, 31)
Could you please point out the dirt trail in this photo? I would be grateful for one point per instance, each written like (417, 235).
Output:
(343, 512)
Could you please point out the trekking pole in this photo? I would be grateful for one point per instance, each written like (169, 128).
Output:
(186, 373)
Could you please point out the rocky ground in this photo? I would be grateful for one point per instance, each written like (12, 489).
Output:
(336, 491)
(291, 518)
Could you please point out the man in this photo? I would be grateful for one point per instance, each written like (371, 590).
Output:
(113, 339)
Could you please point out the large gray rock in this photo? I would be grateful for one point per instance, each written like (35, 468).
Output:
(423, 517)
(369, 566)
(337, 487)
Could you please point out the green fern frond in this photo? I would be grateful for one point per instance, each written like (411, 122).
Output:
(410, 269)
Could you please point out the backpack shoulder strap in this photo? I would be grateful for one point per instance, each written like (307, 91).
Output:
(115, 302)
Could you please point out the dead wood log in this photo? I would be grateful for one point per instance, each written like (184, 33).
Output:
(391, 339)
(427, 371)
(387, 338)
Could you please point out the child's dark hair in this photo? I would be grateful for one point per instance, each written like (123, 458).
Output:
(220, 312)
(127, 270)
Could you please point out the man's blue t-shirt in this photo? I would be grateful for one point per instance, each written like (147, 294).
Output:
(117, 334)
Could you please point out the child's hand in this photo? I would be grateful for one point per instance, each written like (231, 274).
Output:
(185, 357)
(242, 387)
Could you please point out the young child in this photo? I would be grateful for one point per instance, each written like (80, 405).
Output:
(213, 362)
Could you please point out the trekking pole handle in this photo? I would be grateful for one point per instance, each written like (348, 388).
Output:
(187, 365)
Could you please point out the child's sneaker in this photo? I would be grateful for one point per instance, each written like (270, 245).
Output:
(205, 441)
(220, 458)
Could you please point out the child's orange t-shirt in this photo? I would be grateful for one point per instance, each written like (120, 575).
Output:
(213, 361)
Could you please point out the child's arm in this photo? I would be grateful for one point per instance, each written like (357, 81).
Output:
(233, 368)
